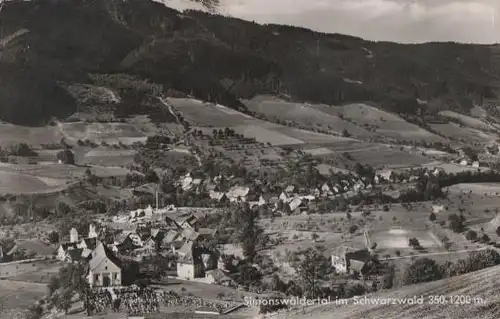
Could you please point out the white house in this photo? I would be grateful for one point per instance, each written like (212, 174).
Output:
(238, 193)
(105, 268)
(289, 190)
(437, 208)
(283, 197)
(92, 231)
(73, 235)
(326, 189)
(189, 265)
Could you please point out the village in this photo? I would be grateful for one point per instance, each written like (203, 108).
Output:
(250, 240)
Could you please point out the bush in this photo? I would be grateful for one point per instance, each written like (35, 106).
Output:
(422, 270)
(353, 229)
(66, 156)
(471, 235)
(432, 217)
(271, 305)
(485, 238)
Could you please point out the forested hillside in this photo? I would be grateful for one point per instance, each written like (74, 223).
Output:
(45, 44)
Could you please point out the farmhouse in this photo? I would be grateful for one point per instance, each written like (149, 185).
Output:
(347, 260)
(104, 268)
(383, 175)
(127, 241)
(217, 276)
(190, 222)
(190, 263)
(88, 243)
(64, 248)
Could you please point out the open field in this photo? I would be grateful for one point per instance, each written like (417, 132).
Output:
(481, 287)
(62, 171)
(387, 156)
(108, 157)
(15, 183)
(13, 134)
(102, 132)
(452, 168)
(267, 135)
(40, 272)
(491, 189)
(467, 120)
(216, 116)
(127, 133)
(466, 134)
(305, 114)
(207, 114)
(17, 296)
(386, 124)
(48, 178)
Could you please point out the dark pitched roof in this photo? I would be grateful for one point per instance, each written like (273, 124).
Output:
(362, 255)
(75, 254)
(67, 245)
(100, 253)
(91, 243)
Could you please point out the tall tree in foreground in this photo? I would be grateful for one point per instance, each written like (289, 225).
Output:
(311, 268)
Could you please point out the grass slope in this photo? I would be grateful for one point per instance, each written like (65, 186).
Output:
(482, 284)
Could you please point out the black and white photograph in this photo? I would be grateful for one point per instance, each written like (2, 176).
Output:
(249, 159)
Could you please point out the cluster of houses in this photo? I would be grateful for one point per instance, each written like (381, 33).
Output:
(183, 238)
(103, 267)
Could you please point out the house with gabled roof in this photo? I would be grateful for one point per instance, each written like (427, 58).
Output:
(217, 276)
(349, 260)
(238, 193)
(63, 249)
(189, 222)
(189, 263)
(218, 196)
(104, 268)
(128, 240)
(88, 243)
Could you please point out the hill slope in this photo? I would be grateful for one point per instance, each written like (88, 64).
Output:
(220, 58)
(482, 284)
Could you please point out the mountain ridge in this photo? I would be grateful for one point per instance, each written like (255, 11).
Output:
(224, 59)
